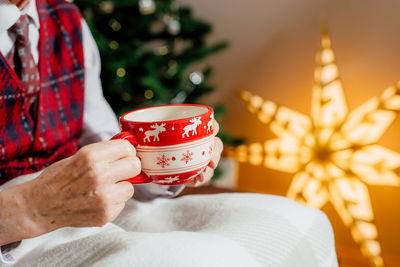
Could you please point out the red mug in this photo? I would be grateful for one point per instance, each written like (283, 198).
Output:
(173, 142)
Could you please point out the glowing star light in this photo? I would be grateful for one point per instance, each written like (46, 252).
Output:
(333, 154)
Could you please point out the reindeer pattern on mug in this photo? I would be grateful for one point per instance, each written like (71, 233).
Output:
(157, 130)
(190, 130)
(196, 121)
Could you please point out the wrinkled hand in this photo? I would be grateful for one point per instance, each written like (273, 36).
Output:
(86, 189)
(208, 172)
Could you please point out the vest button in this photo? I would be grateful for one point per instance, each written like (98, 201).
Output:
(30, 160)
(41, 140)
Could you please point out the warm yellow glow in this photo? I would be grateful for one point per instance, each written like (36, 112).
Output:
(372, 247)
(327, 56)
(256, 156)
(325, 42)
(378, 261)
(121, 72)
(242, 153)
(333, 154)
(367, 229)
(328, 73)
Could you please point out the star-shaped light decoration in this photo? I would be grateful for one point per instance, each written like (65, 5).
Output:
(333, 154)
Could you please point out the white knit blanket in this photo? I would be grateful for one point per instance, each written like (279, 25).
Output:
(198, 230)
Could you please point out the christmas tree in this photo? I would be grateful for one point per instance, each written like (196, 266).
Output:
(151, 51)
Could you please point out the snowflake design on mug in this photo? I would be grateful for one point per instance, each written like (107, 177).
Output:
(163, 161)
(186, 157)
(168, 180)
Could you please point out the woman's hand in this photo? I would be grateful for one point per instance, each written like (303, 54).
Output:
(86, 189)
(208, 172)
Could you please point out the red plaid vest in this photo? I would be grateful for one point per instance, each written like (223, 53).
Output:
(27, 146)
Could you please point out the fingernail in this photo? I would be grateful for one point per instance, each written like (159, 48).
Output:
(211, 164)
(201, 178)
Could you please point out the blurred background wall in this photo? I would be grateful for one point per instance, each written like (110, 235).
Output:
(272, 54)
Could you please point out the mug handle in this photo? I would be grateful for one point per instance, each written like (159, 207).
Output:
(142, 178)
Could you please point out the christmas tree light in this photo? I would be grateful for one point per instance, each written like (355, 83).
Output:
(149, 51)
